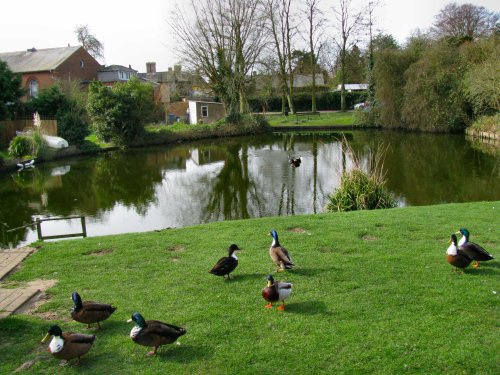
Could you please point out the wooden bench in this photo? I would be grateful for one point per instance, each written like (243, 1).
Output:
(308, 114)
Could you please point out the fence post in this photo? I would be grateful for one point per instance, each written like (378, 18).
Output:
(84, 227)
(38, 228)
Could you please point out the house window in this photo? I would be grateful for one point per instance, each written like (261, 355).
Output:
(33, 88)
(82, 64)
(204, 111)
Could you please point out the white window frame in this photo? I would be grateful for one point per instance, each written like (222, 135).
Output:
(33, 88)
(204, 107)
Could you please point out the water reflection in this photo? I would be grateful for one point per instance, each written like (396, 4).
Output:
(237, 178)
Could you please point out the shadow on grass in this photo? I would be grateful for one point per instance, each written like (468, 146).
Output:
(307, 308)
(244, 276)
(184, 353)
(307, 271)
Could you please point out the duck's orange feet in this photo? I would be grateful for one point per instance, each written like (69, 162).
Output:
(476, 265)
(269, 306)
(281, 308)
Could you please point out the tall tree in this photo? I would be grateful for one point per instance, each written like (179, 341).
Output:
(315, 23)
(10, 91)
(465, 22)
(223, 42)
(349, 26)
(279, 23)
(91, 44)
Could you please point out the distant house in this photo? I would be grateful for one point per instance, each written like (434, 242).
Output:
(205, 112)
(262, 81)
(305, 80)
(40, 69)
(175, 83)
(354, 87)
(112, 74)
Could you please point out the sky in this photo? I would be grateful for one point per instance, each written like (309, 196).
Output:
(135, 32)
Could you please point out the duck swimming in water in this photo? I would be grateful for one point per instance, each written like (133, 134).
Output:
(294, 162)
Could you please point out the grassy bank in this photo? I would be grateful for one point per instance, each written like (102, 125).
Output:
(324, 119)
(372, 294)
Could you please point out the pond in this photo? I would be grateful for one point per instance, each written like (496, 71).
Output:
(235, 178)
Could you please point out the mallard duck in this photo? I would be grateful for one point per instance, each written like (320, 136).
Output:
(472, 249)
(279, 254)
(276, 291)
(68, 345)
(226, 265)
(89, 312)
(295, 162)
(153, 332)
(455, 256)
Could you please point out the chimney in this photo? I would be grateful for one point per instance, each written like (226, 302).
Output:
(169, 68)
(129, 66)
(151, 67)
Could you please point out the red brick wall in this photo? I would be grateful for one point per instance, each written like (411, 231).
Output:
(45, 79)
(72, 68)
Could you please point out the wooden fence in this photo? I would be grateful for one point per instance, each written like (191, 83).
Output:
(8, 129)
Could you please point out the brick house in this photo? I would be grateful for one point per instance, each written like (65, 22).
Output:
(40, 69)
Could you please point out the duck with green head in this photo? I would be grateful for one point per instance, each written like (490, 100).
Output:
(455, 256)
(279, 254)
(153, 333)
(276, 291)
(89, 312)
(68, 345)
(474, 251)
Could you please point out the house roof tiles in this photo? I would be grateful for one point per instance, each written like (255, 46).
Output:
(34, 60)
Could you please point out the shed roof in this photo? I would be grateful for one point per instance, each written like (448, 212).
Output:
(33, 60)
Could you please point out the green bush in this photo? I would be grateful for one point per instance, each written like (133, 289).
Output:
(72, 127)
(118, 114)
(20, 146)
(360, 190)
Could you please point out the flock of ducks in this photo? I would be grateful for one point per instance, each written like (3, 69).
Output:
(154, 333)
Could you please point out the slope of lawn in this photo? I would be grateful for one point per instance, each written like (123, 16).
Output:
(372, 294)
(324, 119)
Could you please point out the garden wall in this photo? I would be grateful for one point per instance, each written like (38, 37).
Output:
(8, 129)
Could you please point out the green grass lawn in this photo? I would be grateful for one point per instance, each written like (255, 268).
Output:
(372, 294)
(324, 119)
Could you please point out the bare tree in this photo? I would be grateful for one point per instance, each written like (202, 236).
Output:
(349, 25)
(465, 21)
(315, 22)
(223, 42)
(91, 44)
(278, 14)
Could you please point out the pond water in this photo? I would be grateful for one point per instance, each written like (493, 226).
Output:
(235, 178)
